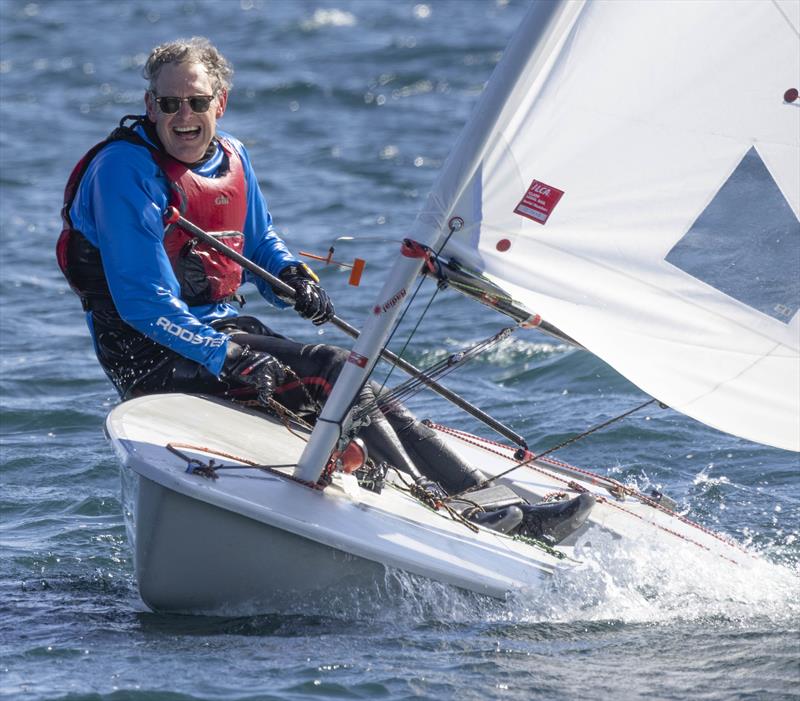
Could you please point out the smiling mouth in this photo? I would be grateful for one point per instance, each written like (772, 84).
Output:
(186, 132)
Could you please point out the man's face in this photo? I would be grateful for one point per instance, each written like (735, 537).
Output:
(185, 134)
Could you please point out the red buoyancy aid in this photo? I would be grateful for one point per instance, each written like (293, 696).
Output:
(217, 205)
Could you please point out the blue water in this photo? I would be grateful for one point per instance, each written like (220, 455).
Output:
(348, 109)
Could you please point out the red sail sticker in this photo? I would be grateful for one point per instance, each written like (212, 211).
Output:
(539, 202)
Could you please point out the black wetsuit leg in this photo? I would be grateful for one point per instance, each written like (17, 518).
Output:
(435, 459)
(314, 368)
(138, 366)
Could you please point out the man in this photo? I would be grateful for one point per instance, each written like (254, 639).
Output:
(160, 304)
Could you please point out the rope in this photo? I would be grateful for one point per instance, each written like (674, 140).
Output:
(285, 415)
(209, 470)
(454, 225)
(594, 478)
(569, 441)
(195, 466)
(442, 368)
(431, 501)
(413, 331)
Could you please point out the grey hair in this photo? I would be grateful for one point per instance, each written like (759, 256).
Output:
(195, 50)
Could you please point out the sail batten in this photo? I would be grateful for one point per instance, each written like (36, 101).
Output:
(639, 187)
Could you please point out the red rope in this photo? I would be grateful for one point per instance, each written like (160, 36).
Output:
(594, 479)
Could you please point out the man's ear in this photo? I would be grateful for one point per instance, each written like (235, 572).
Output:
(222, 102)
(150, 105)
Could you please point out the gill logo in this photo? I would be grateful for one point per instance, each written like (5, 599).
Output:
(221, 199)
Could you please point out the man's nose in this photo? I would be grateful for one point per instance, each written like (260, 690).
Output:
(184, 109)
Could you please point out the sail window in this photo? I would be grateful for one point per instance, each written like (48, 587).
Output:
(746, 243)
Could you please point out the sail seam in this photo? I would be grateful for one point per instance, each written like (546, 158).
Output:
(794, 29)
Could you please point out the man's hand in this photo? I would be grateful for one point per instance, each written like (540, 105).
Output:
(246, 366)
(310, 301)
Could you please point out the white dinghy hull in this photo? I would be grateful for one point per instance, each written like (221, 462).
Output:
(191, 556)
(259, 540)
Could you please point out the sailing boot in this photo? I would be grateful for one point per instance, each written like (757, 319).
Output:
(555, 521)
(430, 453)
(496, 507)
(503, 520)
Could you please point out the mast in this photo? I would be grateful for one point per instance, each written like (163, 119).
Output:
(541, 29)
(359, 365)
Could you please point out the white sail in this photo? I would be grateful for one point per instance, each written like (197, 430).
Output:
(632, 174)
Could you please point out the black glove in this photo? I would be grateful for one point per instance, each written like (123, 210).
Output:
(310, 301)
(246, 366)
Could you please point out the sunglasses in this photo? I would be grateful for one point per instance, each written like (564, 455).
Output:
(198, 103)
